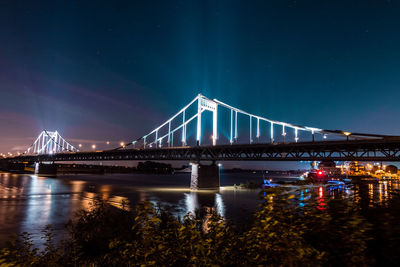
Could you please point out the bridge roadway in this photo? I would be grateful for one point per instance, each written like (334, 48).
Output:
(384, 149)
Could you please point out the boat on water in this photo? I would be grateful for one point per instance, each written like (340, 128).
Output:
(335, 182)
(268, 184)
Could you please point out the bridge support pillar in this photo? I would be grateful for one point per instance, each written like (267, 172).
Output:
(45, 169)
(204, 177)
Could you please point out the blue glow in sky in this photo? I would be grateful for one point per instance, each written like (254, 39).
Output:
(113, 70)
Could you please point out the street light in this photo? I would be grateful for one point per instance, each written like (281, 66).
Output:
(94, 146)
(80, 145)
(122, 144)
(347, 134)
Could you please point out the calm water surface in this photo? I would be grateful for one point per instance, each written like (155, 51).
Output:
(28, 203)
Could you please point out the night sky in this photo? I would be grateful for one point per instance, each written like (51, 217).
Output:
(101, 71)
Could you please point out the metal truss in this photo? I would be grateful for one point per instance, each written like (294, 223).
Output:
(351, 150)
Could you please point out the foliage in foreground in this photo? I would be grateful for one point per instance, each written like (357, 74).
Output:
(282, 233)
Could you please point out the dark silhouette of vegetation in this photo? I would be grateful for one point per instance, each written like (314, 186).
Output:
(321, 232)
(251, 185)
(154, 167)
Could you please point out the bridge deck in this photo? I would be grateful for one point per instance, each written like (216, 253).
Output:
(360, 150)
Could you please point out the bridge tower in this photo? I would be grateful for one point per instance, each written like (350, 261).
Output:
(207, 104)
(48, 143)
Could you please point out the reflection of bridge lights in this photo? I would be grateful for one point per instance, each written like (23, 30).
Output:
(219, 205)
(191, 202)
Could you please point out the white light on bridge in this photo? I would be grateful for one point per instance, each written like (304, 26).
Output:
(50, 142)
(183, 117)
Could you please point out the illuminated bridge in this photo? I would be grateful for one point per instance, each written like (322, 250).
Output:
(228, 134)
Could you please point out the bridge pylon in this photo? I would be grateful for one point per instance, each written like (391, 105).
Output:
(50, 143)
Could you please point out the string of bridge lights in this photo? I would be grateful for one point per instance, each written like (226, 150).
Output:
(206, 104)
(94, 146)
(52, 142)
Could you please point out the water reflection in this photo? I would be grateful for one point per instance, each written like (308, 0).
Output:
(380, 192)
(28, 203)
(199, 200)
(369, 193)
(191, 202)
(321, 201)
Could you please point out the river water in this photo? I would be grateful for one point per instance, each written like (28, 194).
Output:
(28, 202)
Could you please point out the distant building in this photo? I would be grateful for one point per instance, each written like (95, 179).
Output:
(355, 168)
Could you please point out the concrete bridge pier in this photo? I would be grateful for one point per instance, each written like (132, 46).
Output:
(204, 176)
(45, 169)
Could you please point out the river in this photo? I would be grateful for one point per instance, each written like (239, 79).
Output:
(28, 202)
